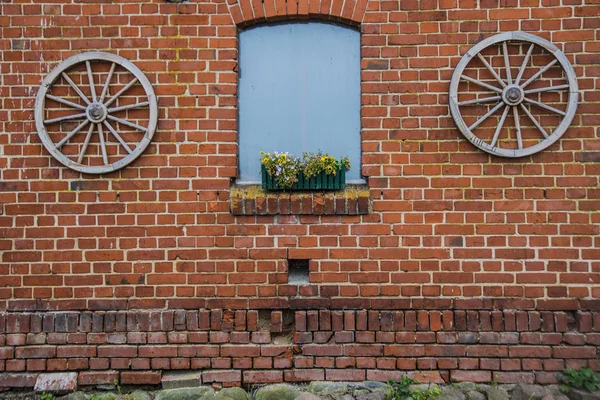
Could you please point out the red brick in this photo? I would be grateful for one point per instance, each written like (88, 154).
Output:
(470, 376)
(140, 378)
(263, 376)
(98, 378)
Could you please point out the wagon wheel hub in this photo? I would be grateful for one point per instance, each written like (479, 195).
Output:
(513, 95)
(96, 112)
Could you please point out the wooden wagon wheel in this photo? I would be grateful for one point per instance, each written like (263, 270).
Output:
(99, 93)
(513, 82)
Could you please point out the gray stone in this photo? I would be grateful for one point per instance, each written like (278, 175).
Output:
(139, 395)
(482, 387)
(451, 393)
(199, 393)
(74, 396)
(374, 385)
(580, 394)
(106, 387)
(422, 387)
(372, 396)
(524, 391)
(280, 391)
(548, 397)
(497, 394)
(344, 397)
(332, 389)
(234, 393)
(104, 396)
(179, 379)
(308, 396)
(509, 387)
(475, 395)
(556, 392)
(57, 383)
(465, 386)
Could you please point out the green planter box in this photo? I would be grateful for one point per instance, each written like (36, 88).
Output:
(321, 181)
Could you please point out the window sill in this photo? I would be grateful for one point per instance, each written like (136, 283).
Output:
(253, 200)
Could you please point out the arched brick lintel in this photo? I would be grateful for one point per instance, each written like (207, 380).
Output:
(250, 12)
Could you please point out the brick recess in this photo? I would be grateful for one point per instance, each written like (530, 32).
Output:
(233, 348)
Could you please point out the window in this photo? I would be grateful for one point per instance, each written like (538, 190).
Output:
(299, 90)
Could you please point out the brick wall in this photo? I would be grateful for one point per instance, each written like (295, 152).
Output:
(234, 348)
(449, 225)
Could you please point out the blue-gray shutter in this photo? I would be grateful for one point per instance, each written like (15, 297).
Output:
(299, 90)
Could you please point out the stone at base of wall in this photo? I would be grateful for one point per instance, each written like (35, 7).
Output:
(366, 390)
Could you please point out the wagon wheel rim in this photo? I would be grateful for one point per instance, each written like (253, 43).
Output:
(511, 95)
(97, 114)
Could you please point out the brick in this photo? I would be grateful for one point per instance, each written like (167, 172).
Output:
(87, 378)
(470, 376)
(263, 376)
(59, 383)
(140, 378)
(345, 375)
(18, 380)
(179, 379)
(35, 352)
(224, 376)
(304, 375)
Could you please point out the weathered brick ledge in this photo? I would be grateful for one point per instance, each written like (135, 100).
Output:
(296, 300)
(252, 200)
(235, 348)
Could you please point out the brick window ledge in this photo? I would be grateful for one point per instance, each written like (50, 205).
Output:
(252, 200)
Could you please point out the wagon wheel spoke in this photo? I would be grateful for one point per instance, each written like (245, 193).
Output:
(547, 89)
(107, 83)
(125, 122)
(71, 134)
(482, 84)
(102, 144)
(507, 63)
(88, 67)
(540, 72)
(545, 106)
(534, 120)
(118, 137)
(499, 128)
(489, 67)
(518, 127)
(75, 88)
(65, 118)
(120, 92)
(85, 144)
(65, 102)
(525, 61)
(480, 120)
(128, 107)
(479, 101)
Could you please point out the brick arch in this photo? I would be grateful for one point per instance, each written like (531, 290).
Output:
(250, 12)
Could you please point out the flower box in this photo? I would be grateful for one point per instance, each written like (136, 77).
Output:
(321, 181)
